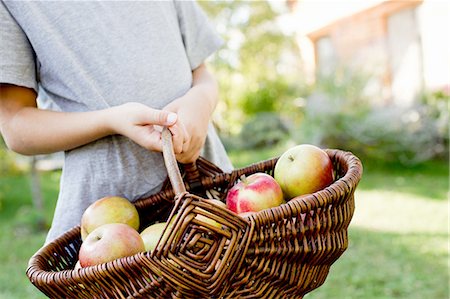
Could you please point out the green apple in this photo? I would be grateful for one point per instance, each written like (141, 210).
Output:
(207, 220)
(303, 169)
(111, 209)
(152, 234)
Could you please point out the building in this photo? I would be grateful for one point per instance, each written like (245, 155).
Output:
(404, 45)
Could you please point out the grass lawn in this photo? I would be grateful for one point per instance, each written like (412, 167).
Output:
(398, 244)
(20, 238)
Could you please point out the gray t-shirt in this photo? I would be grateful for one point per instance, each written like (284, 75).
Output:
(90, 55)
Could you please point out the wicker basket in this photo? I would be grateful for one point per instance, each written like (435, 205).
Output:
(282, 252)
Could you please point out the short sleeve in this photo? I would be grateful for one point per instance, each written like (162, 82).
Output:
(17, 63)
(199, 37)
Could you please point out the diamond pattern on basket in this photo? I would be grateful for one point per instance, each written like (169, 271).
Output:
(202, 241)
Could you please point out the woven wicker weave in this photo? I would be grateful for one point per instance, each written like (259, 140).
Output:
(282, 252)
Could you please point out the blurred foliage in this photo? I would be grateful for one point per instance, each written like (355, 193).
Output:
(250, 83)
(437, 108)
(8, 165)
(266, 98)
(338, 115)
(265, 129)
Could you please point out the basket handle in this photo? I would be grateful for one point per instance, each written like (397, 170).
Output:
(171, 163)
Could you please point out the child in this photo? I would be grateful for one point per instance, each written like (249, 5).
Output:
(116, 71)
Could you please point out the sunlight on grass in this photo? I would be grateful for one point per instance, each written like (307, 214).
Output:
(388, 265)
(398, 248)
(388, 211)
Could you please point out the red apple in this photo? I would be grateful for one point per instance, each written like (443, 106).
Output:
(254, 193)
(111, 209)
(109, 242)
(303, 169)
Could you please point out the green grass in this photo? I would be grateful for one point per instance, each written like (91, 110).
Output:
(20, 238)
(385, 265)
(398, 238)
(428, 180)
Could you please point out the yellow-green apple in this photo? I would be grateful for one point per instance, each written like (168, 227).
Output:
(254, 193)
(303, 169)
(110, 209)
(109, 242)
(207, 219)
(152, 234)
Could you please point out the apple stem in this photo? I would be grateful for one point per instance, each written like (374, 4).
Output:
(291, 158)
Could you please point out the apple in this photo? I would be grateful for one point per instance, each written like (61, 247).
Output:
(210, 221)
(207, 220)
(152, 234)
(109, 242)
(77, 265)
(254, 193)
(303, 169)
(110, 209)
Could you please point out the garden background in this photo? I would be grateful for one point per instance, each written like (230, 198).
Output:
(340, 84)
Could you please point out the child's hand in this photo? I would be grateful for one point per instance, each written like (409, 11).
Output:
(192, 124)
(142, 124)
(194, 110)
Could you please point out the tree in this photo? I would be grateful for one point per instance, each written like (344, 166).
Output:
(8, 166)
(258, 68)
(36, 194)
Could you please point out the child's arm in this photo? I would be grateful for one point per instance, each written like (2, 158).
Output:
(194, 110)
(29, 130)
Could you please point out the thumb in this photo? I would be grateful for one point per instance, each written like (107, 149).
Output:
(162, 117)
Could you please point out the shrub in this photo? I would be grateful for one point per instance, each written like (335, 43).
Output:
(406, 135)
(262, 130)
(437, 108)
(269, 96)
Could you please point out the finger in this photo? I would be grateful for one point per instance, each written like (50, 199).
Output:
(193, 150)
(158, 117)
(149, 138)
(177, 138)
(188, 157)
(191, 154)
(186, 146)
(187, 140)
